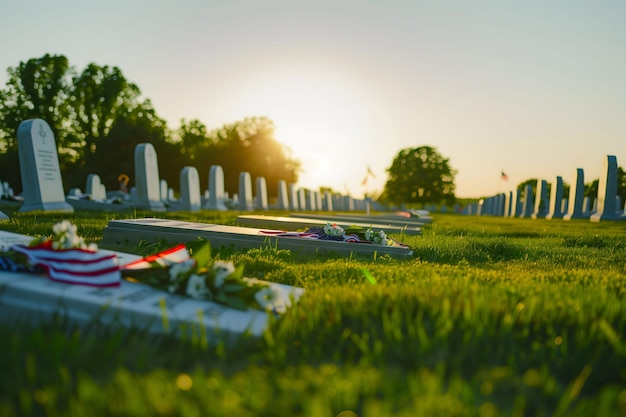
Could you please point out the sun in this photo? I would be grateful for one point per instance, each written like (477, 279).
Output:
(319, 115)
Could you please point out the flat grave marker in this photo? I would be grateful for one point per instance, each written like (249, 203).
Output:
(382, 219)
(135, 230)
(303, 223)
(35, 298)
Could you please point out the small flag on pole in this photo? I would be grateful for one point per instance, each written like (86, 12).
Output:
(368, 173)
(504, 176)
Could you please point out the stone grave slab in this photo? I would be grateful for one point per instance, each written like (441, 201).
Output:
(303, 223)
(390, 220)
(135, 230)
(35, 298)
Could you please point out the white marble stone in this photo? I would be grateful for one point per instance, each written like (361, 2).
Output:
(282, 202)
(217, 198)
(261, 194)
(39, 167)
(246, 202)
(578, 206)
(147, 183)
(607, 192)
(190, 189)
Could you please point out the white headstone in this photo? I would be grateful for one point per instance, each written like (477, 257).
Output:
(311, 202)
(293, 197)
(75, 192)
(542, 202)
(39, 166)
(245, 192)
(318, 200)
(283, 200)
(576, 208)
(94, 188)
(147, 178)
(555, 209)
(217, 198)
(607, 191)
(302, 198)
(190, 189)
(328, 201)
(528, 202)
(261, 194)
(163, 190)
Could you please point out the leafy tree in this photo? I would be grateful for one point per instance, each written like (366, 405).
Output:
(420, 175)
(100, 95)
(38, 87)
(193, 138)
(246, 145)
(115, 153)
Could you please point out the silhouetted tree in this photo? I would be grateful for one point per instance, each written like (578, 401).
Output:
(420, 175)
(246, 145)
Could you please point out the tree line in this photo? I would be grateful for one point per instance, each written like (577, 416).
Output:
(98, 117)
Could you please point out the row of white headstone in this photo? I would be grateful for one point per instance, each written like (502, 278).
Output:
(607, 206)
(43, 185)
(152, 194)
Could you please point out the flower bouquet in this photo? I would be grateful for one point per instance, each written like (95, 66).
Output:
(199, 277)
(352, 234)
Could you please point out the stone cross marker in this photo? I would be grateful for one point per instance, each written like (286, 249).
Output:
(190, 189)
(147, 177)
(39, 167)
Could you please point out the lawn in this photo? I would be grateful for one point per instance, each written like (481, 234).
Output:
(491, 317)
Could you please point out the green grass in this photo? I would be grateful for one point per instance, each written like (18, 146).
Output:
(491, 317)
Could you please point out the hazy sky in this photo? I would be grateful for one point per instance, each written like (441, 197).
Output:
(534, 88)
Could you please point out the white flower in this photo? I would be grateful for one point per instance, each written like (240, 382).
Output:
(273, 298)
(221, 271)
(251, 281)
(92, 247)
(196, 287)
(180, 268)
(377, 237)
(333, 230)
(64, 227)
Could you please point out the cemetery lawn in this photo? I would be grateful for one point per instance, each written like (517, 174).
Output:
(491, 317)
